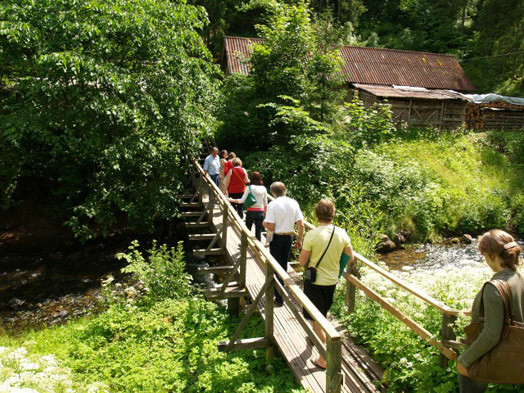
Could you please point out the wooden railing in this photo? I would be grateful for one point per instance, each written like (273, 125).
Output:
(446, 345)
(292, 294)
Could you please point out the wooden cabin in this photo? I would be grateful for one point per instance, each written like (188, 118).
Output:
(416, 84)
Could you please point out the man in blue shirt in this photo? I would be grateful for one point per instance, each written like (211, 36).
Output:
(212, 166)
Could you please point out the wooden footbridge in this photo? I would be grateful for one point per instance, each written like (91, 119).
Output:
(249, 275)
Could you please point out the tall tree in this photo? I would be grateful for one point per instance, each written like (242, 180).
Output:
(101, 104)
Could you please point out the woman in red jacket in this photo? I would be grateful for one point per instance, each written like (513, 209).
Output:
(236, 180)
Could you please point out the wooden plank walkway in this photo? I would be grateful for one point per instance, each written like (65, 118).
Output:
(360, 373)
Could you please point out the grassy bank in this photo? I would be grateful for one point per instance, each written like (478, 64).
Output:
(169, 346)
(429, 184)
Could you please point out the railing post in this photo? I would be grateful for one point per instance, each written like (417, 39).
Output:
(351, 291)
(211, 204)
(225, 223)
(200, 187)
(446, 333)
(243, 258)
(334, 365)
(269, 312)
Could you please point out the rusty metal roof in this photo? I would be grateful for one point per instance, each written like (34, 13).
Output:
(238, 51)
(375, 66)
(406, 92)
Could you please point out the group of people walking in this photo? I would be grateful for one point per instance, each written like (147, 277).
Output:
(323, 249)
(280, 217)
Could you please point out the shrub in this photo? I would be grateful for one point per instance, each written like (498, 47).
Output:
(367, 127)
(162, 271)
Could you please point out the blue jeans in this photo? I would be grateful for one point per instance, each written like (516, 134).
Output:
(216, 179)
(468, 385)
(280, 247)
(256, 218)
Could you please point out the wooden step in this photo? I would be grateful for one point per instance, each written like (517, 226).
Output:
(212, 251)
(202, 236)
(191, 204)
(191, 214)
(202, 224)
(214, 269)
(188, 196)
(230, 292)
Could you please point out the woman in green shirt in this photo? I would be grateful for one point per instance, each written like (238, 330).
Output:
(327, 242)
(502, 255)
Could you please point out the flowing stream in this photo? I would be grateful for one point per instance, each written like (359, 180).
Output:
(431, 257)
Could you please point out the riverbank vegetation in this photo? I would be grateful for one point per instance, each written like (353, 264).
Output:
(156, 335)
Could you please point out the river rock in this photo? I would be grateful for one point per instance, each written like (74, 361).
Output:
(466, 239)
(15, 303)
(385, 244)
(399, 239)
(455, 240)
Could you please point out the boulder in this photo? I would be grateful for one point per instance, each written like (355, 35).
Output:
(399, 239)
(455, 240)
(385, 244)
(466, 239)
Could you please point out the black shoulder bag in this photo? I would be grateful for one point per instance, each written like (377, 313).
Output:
(311, 272)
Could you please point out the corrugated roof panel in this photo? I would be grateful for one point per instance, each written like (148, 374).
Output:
(375, 66)
(400, 92)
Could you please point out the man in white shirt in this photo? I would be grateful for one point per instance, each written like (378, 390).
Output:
(212, 166)
(281, 216)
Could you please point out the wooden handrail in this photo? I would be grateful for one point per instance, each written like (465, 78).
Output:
(415, 327)
(447, 352)
(266, 257)
(425, 298)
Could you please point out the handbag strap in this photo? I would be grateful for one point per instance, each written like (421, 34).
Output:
(235, 172)
(331, 238)
(505, 293)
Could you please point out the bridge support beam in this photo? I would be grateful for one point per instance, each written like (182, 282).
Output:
(447, 334)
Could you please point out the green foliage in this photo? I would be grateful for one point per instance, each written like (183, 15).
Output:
(164, 342)
(101, 103)
(367, 126)
(167, 346)
(162, 272)
(292, 65)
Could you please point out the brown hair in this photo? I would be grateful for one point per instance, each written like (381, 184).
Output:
(236, 161)
(231, 155)
(256, 179)
(222, 153)
(278, 188)
(497, 242)
(325, 210)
